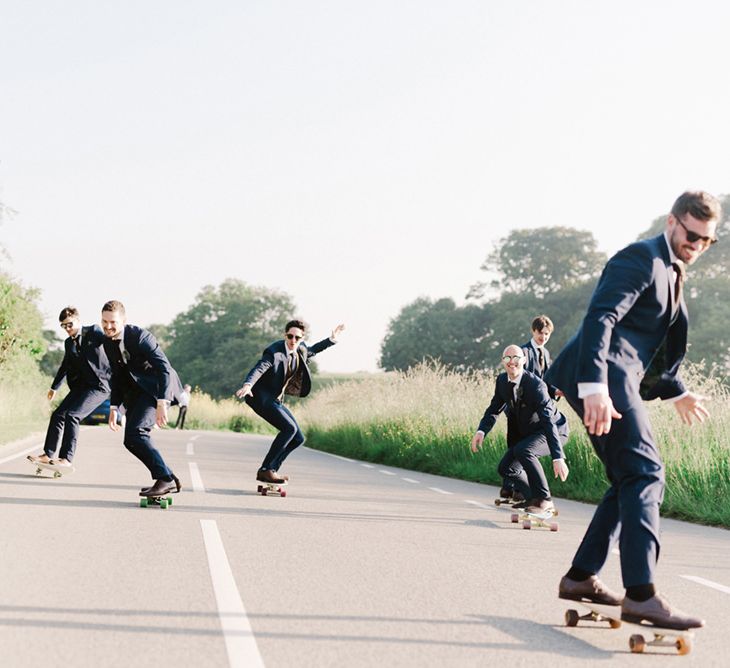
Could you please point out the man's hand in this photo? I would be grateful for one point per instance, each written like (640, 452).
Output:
(691, 405)
(113, 419)
(161, 416)
(560, 469)
(598, 411)
(245, 391)
(51, 394)
(336, 332)
(476, 442)
(559, 393)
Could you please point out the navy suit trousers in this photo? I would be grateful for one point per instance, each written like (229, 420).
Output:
(64, 423)
(521, 466)
(141, 416)
(630, 507)
(290, 436)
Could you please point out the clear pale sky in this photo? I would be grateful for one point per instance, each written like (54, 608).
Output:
(356, 155)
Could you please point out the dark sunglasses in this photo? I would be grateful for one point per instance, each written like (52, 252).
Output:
(67, 325)
(693, 237)
(294, 336)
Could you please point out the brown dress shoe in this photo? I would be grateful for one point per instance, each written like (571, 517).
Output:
(658, 612)
(592, 590)
(39, 459)
(160, 488)
(540, 506)
(269, 476)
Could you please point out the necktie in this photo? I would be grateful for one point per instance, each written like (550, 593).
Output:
(679, 276)
(292, 363)
(77, 343)
(511, 386)
(541, 359)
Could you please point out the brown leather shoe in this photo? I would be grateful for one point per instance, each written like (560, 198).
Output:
(283, 477)
(160, 488)
(658, 612)
(269, 476)
(517, 497)
(540, 506)
(43, 458)
(592, 590)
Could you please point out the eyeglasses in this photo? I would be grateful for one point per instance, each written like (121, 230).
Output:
(294, 337)
(693, 237)
(67, 325)
(510, 358)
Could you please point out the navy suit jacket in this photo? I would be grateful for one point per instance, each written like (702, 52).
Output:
(630, 318)
(532, 364)
(147, 365)
(533, 412)
(87, 368)
(269, 373)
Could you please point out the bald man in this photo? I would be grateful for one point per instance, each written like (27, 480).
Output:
(536, 429)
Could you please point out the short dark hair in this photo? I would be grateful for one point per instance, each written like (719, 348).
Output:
(698, 204)
(541, 322)
(296, 323)
(114, 305)
(68, 312)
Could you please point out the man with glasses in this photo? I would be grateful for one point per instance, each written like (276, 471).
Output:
(636, 322)
(282, 370)
(535, 429)
(86, 369)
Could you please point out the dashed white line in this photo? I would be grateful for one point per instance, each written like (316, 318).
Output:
(367, 466)
(708, 583)
(439, 490)
(478, 504)
(329, 454)
(20, 454)
(243, 652)
(195, 438)
(197, 481)
(384, 472)
(189, 450)
(412, 481)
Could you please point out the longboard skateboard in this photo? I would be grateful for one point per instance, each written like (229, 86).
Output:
(265, 488)
(162, 500)
(680, 639)
(530, 520)
(57, 471)
(504, 501)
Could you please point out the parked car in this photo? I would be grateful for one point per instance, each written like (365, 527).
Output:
(100, 415)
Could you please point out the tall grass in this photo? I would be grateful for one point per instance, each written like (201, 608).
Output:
(24, 408)
(204, 412)
(424, 419)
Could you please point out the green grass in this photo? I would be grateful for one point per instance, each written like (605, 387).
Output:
(424, 420)
(24, 409)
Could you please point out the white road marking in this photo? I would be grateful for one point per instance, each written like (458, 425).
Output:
(383, 471)
(197, 481)
(243, 652)
(439, 490)
(411, 480)
(195, 438)
(368, 466)
(189, 450)
(20, 454)
(478, 504)
(329, 454)
(708, 583)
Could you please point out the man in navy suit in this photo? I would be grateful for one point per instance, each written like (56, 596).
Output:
(636, 322)
(536, 429)
(537, 356)
(86, 369)
(282, 370)
(145, 382)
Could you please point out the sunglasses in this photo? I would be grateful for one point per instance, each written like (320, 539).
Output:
(292, 337)
(510, 358)
(67, 325)
(693, 237)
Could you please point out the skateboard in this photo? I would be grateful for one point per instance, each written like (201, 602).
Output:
(58, 471)
(502, 501)
(276, 487)
(163, 501)
(680, 639)
(530, 520)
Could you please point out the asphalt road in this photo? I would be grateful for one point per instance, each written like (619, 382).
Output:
(360, 565)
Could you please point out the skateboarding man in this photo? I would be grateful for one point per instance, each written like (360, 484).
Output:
(636, 322)
(184, 402)
(86, 369)
(282, 370)
(145, 382)
(535, 429)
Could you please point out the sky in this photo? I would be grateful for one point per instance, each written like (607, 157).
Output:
(354, 154)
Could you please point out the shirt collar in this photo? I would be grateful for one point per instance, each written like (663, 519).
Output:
(672, 257)
(535, 344)
(517, 380)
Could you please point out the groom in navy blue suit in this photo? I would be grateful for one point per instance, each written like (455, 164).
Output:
(282, 370)
(629, 347)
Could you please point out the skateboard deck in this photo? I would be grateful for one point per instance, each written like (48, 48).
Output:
(265, 488)
(57, 471)
(163, 502)
(540, 520)
(502, 501)
(680, 639)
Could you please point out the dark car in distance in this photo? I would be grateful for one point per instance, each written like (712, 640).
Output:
(100, 415)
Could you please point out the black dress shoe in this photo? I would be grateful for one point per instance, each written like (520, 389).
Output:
(160, 488)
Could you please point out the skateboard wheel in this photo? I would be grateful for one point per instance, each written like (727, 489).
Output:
(554, 526)
(614, 623)
(259, 488)
(163, 504)
(264, 492)
(555, 513)
(283, 492)
(144, 502)
(169, 500)
(497, 502)
(38, 470)
(571, 617)
(56, 474)
(683, 645)
(527, 524)
(515, 518)
(637, 643)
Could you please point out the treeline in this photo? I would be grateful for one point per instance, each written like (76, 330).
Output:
(550, 270)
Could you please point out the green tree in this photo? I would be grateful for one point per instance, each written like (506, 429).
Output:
(21, 337)
(216, 341)
(53, 356)
(540, 261)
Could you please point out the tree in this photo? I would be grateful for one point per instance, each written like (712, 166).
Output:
(215, 342)
(51, 360)
(540, 261)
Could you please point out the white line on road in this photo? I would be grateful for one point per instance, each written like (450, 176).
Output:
(189, 450)
(198, 485)
(478, 504)
(20, 454)
(243, 652)
(707, 583)
(439, 490)
(195, 438)
(386, 472)
(368, 466)
(411, 480)
(329, 454)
